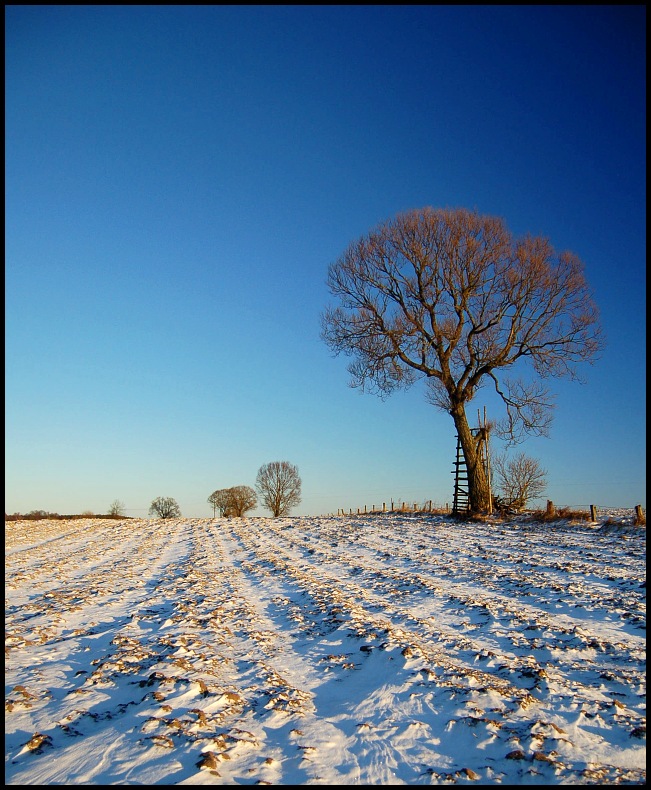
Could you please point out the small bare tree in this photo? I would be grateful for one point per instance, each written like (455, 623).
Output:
(279, 487)
(165, 507)
(219, 501)
(240, 499)
(451, 297)
(518, 480)
(235, 501)
(116, 508)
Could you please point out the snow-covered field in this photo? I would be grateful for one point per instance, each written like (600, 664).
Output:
(372, 650)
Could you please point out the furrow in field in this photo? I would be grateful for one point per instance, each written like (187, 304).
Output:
(285, 650)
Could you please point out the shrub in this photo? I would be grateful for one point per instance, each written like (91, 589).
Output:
(559, 514)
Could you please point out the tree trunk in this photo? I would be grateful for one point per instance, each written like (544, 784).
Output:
(478, 488)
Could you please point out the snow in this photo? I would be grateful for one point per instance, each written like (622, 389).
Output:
(349, 650)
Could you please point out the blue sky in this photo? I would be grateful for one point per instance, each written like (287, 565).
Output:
(179, 178)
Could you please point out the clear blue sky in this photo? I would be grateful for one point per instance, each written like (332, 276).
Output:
(179, 178)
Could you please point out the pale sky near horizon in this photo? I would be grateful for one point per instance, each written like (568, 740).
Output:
(179, 178)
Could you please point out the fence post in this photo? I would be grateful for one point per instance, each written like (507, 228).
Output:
(551, 511)
(593, 513)
(639, 516)
(384, 507)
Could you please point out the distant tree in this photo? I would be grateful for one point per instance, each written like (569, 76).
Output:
(116, 508)
(451, 297)
(213, 501)
(234, 501)
(219, 501)
(240, 499)
(279, 486)
(518, 480)
(165, 507)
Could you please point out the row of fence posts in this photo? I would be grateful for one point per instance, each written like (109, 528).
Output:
(404, 508)
(638, 518)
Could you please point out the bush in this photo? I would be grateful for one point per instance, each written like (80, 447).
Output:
(559, 514)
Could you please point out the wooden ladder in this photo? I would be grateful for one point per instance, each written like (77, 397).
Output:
(460, 500)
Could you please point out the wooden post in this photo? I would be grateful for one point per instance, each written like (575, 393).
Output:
(593, 513)
(551, 510)
(392, 504)
(430, 506)
(488, 466)
(639, 516)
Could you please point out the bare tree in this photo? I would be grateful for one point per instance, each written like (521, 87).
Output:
(240, 499)
(519, 480)
(450, 296)
(165, 507)
(235, 501)
(116, 508)
(279, 487)
(219, 501)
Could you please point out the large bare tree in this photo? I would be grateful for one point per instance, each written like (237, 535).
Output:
(279, 486)
(452, 297)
